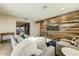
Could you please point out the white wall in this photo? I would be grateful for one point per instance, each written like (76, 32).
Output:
(7, 24)
(34, 29)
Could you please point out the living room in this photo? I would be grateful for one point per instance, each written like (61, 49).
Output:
(39, 29)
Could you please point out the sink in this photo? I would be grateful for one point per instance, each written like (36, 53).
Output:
(70, 51)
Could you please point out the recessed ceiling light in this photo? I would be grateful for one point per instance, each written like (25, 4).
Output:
(62, 8)
(45, 7)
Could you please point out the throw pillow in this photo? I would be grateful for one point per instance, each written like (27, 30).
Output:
(51, 43)
(19, 39)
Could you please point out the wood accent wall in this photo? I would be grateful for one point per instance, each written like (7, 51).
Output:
(68, 23)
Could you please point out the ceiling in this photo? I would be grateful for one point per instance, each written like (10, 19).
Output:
(36, 11)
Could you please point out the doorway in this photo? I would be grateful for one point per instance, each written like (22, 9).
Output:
(23, 27)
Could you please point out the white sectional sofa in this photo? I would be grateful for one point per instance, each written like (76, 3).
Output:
(15, 41)
(32, 46)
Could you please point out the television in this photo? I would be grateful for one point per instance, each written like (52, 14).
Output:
(53, 27)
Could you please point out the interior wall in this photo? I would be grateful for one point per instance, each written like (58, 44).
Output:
(34, 29)
(67, 26)
(7, 24)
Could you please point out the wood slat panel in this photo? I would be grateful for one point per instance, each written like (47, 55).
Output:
(68, 25)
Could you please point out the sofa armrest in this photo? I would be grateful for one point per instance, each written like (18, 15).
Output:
(60, 46)
(74, 47)
(13, 42)
(50, 51)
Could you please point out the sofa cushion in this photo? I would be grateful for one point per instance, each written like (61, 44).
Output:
(63, 43)
(50, 51)
(18, 38)
(30, 50)
(15, 39)
(24, 35)
(40, 42)
(13, 42)
(48, 40)
(26, 48)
